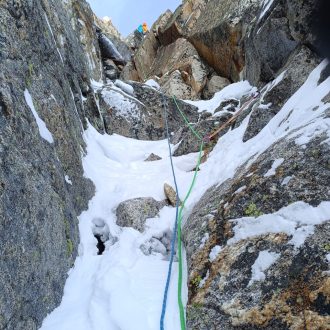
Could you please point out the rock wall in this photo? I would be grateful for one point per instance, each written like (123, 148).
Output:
(48, 55)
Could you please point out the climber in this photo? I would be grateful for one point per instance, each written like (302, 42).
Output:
(145, 28)
(140, 28)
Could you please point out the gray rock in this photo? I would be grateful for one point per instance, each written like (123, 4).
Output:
(129, 72)
(215, 84)
(297, 69)
(262, 62)
(174, 84)
(190, 143)
(134, 212)
(229, 105)
(152, 157)
(109, 50)
(142, 116)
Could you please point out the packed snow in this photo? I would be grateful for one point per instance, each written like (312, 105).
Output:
(43, 130)
(152, 83)
(263, 262)
(123, 288)
(233, 91)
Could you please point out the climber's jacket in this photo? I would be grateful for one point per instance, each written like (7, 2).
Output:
(140, 28)
(145, 28)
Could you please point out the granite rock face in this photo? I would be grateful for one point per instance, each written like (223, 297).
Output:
(45, 72)
(295, 290)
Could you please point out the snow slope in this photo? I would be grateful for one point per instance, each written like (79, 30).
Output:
(123, 288)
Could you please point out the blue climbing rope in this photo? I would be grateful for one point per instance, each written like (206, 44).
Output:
(175, 224)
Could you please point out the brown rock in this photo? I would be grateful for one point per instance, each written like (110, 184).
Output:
(170, 194)
(129, 72)
(218, 34)
(146, 55)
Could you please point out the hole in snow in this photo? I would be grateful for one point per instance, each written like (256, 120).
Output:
(102, 233)
(100, 245)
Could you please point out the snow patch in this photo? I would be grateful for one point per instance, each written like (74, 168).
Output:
(262, 263)
(276, 164)
(67, 180)
(297, 220)
(43, 130)
(204, 240)
(265, 7)
(215, 252)
(125, 87)
(286, 180)
(152, 83)
(239, 190)
(233, 91)
(203, 281)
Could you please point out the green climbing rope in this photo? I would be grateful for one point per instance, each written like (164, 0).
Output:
(186, 120)
(181, 308)
(180, 217)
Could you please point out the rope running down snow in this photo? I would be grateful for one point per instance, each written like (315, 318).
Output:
(178, 216)
(175, 224)
(178, 221)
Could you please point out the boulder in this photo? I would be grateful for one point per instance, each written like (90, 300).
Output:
(170, 194)
(174, 85)
(173, 57)
(134, 212)
(181, 56)
(161, 22)
(105, 26)
(215, 84)
(141, 116)
(219, 32)
(109, 50)
(181, 21)
(171, 31)
(129, 72)
(152, 157)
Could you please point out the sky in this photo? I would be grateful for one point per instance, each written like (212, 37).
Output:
(127, 15)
